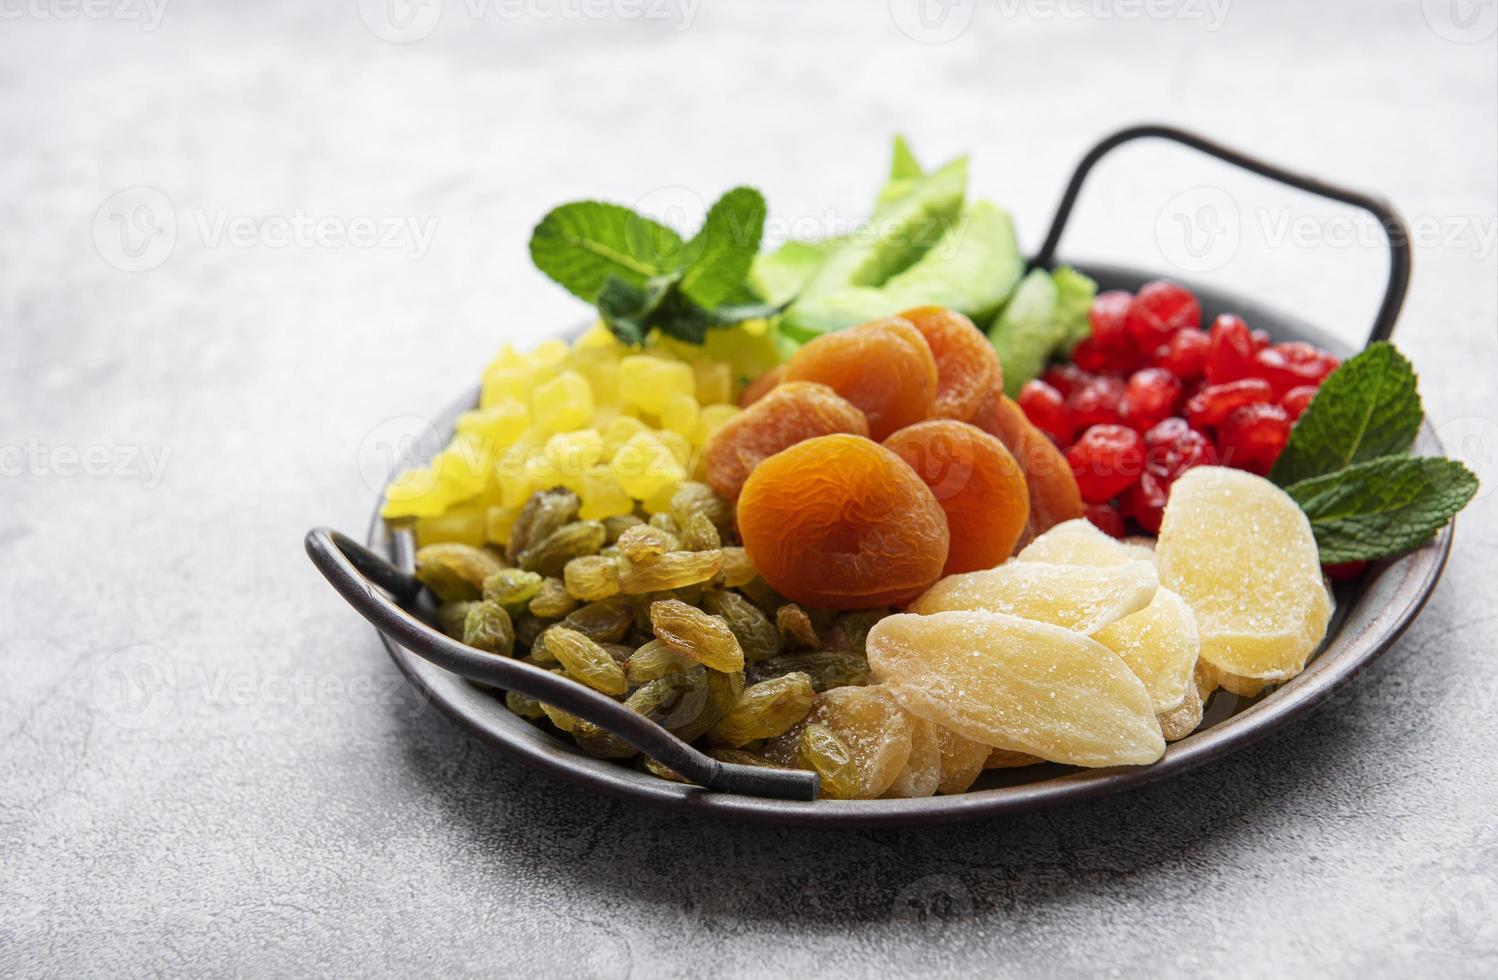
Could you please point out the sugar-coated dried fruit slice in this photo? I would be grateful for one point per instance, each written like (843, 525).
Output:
(1184, 719)
(884, 367)
(1081, 598)
(785, 416)
(1010, 759)
(961, 760)
(842, 523)
(978, 483)
(967, 366)
(1160, 645)
(1017, 684)
(870, 722)
(1054, 494)
(1241, 553)
(1078, 542)
(922, 772)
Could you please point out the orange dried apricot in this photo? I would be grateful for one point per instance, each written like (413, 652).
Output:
(884, 367)
(967, 366)
(761, 386)
(1054, 496)
(979, 485)
(843, 523)
(783, 417)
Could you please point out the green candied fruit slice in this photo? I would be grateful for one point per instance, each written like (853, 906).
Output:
(700, 534)
(693, 497)
(512, 588)
(552, 600)
(455, 572)
(643, 542)
(819, 750)
(487, 627)
(450, 617)
(765, 710)
(542, 514)
(693, 633)
(605, 621)
(592, 577)
(672, 570)
(757, 636)
(524, 705)
(586, 661)
(826, 668)
(552, 553)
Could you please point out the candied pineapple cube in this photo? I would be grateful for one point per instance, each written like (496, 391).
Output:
(620, 430)
(506, 384)
(415, 493)
(601, 368)
(714, 382)
(548, 354)
(563, 403)
(498, 521)
(679, 415)
(598, 336)
(710, 419)
(570, 453)
(922, 773)
(497, 425)
(646, 381)
(464, 524)
(644, 466)
(680, 446)
(601, 495)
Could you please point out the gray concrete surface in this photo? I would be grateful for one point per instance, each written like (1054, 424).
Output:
(207, 766)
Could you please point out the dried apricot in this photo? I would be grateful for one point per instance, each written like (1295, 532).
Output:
(1054, 496)
(967, 366)
(979, 485)
(884, 367)
(842, 523)
(761, 386)
(784, 417)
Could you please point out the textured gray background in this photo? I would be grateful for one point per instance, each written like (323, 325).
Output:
(207, 764)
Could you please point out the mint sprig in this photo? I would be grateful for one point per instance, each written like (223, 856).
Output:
(1347, 463)
(641, 275)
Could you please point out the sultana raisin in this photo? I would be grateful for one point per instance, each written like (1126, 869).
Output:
(655, 660)
(795, 625)
(451, 615)
(585, 660)
(967, 366)
(722, 692)
(884, 367)
(605, 621)
(455, 572)
(614, 526)
(549, 555)
(788, 415)
(693, 633)
(643, 541)
(512, 588)
(764, 710)
(487, 627)
(591, 577)
(819, 750)
(552, 600)
(826, 668)
(543, 513)
(693, 497)
(524, 705)
(737, 570)
(698, 533)
(757, 636)
(672, 570)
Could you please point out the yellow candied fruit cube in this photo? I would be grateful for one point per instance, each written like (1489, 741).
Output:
(647, 381)
(498, 522)
(601, 369)
(570, 453)
(508, 357)
(513, 478)
(680, 446)
(464, 467)
(644, 465)
(679, 414)
(714, 382)
(541, 473)
(415, 493)
(601, 495)
(710, 420)
(598, 336)
(660, 501)
(563, 403)
(549, 354)
(461, 525)
(620, 430)
(498, 425)
(506, 384)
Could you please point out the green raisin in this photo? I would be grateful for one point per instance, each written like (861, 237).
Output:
(643, 542)
(524, 705)
(565, 720)
(723, 692)
(698, 498)
(512, 588)
(450, 617)
(693, 633)
(664, 772)
(737, 570)
(488, 628)
(528, 628)
(552, 600)
(601, 743)
(592, 577)
(552, 553)
(665, 522)
(795, 625)
(699, 534)
(543, 513)
(765, 710)
(851, 629)
(757, 636)
(672, 570)
(819, 750)
(618, 524)
(455, 572)
(758, 591)
(621, 652)
(654, 660)
(659, 699)
(739, 757)
(826, 668)
(606, 621)
(586, 660)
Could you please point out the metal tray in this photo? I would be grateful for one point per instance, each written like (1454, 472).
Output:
(1371, 615)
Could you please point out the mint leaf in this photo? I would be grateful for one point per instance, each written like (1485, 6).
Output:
(1368, 408)
(628, 310)
(582, 245)
(723, 251)
(1382, 506)
(903, 164)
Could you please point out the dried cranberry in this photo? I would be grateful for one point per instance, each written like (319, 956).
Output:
(1106, 518)
(1159, 310)
(1145, 502)
(1173, 447)
(1107, 460)
(1150, 396)
(1109, 317)
(1231, 352)
(1184, 355)
(1293, 365)
(1098, 402)
(1213, 404)
(1253, 437)
(1088, 355)
(1295, 401)
(1065, 378)
(1345, 572)
(1046, 410)
(1260, 339)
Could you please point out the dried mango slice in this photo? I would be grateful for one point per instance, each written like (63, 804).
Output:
(922, 773)
(1240, 551)
(1009, 759)
(961, 760)
(1077, 597)
(870, 722)
(1078, 542)
(1160, 645)
(1017, 684)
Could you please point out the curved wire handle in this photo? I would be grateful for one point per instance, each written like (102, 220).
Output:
(1393, 226)
(354, 571)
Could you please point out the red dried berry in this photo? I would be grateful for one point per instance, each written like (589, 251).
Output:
(1088, 356)
(1293, 365)
(1098, 402)
(1145, 502)
(1260, 339)
(1160, 309)
(1109, 317)
(1106, 518)
(1150, 396)
(1184, 355)
(1345, 572)
(1046, 410)
(1065, 378)
(1106, 461)
(1230, 355)
(1296, 400)
(1253, 437)
(1212, 405)
(1173, 447)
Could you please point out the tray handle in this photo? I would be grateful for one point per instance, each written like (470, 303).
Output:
(1393, 226)
(354, 571)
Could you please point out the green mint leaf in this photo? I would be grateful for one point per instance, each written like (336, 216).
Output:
(1368, 408)
(1382, 506)
(629, 310)
(903, 164)
(721, 254)
(583, 244)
